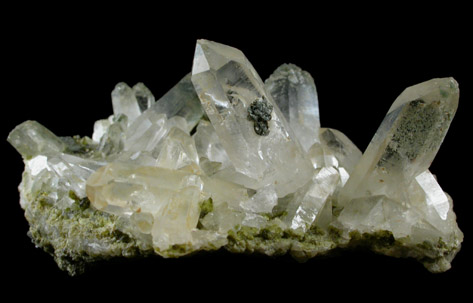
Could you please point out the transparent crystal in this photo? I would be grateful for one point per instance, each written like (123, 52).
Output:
(427, 197)
(406, 142)
(181, 101)
(434, 195)
(263, 201)
(100, 129)
(124, 102)
(309, 200)
(143, 96)
(378, 213)
(336, 144)
(146, 132)
(208, 145)
(294, 92)
(178, 152)
(31, 139)
(227, 85)
(112, 141)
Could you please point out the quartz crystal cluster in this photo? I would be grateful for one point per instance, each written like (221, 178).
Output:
(225, 160)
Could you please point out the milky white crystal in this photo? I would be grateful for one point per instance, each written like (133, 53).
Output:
(170, 197)
(166, 200)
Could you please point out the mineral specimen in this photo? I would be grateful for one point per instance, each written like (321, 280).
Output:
(224, 160)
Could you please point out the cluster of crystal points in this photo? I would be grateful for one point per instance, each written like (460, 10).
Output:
(195, 171)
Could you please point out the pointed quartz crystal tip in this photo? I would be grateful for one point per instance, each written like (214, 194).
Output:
(181, 101)
(228, 85)
(124, 102)
(31, 139)
(406, 141)
(143, 96)
(294, 92)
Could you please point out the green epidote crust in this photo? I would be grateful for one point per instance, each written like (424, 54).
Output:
(82, 222)
(435, 256)
(56, 230)
(70, 234)
(272, 240)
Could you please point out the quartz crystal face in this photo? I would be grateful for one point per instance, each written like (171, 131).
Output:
(226, 161)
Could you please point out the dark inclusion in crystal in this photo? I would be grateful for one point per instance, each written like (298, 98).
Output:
(142, 102)
(260, 113)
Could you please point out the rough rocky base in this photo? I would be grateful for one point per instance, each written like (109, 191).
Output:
(69, 234)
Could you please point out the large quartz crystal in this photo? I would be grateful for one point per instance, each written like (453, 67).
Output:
(225, 160)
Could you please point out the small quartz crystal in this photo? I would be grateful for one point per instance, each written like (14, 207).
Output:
(225, 160)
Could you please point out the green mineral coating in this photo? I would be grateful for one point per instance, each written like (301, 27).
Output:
(435, 256)
(79, 203)
(206, 207)
(56, 230)
(178, 250)
(381, 239)
(81, 146)
(260, 113)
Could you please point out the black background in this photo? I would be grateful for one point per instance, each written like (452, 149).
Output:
(62, 63)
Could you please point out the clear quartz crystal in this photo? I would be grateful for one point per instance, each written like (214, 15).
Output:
(178, 152)
(146, 132)
(208, 145)
(391, 187)
(31, 139)
(310, 199)
(336, 144)
(143, 96)
(100, 129)
(181, 101)
(227, 85)
(263, 201)
(124, 102)
(434, 195)
(294, 92)
(406, 142)
(377, 213)
(112, 141)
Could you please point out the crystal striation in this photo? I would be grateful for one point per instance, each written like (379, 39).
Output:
(223, 160)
